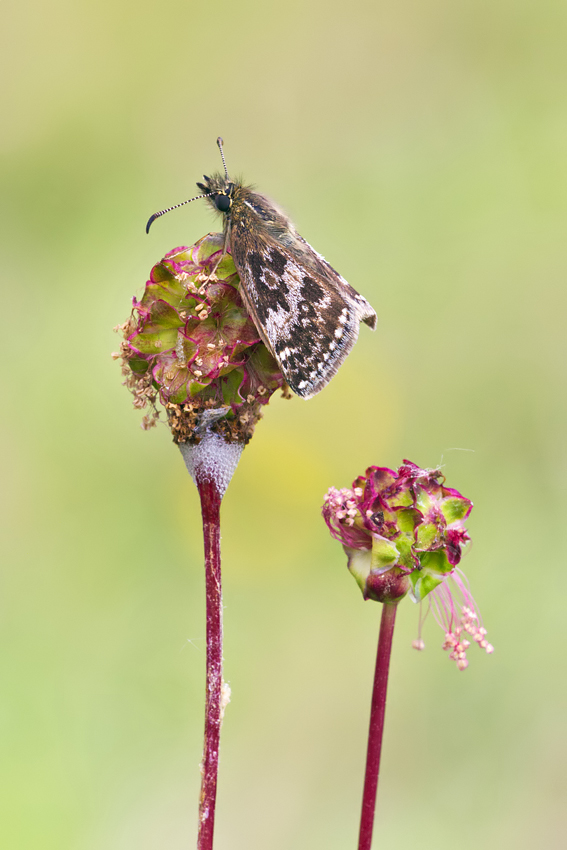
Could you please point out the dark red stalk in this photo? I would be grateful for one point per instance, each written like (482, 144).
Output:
(210, 509)
(376, 729)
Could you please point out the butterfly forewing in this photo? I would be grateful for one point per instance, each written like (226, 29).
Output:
(306, 313)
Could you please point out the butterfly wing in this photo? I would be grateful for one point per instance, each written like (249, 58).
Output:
(306, 313)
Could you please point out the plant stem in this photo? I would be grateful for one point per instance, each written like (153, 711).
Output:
(376, 729)
(210, 509)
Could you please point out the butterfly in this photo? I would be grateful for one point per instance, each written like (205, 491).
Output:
(305, 312)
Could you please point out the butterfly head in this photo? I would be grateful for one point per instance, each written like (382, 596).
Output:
(220, 191)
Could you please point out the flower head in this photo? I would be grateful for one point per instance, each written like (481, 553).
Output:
(403, 533)
(191, 345)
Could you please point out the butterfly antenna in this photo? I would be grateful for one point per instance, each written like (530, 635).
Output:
(163, 212)
(220, 144)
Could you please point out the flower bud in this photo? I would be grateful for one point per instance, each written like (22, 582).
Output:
(403, 533)
(191, 346)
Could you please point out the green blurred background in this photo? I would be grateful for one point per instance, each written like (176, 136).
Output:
(421, 146)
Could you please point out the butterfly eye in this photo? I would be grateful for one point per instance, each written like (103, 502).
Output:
(222, 202)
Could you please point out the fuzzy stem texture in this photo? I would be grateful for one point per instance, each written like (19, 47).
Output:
(210, 509)
(376, 729)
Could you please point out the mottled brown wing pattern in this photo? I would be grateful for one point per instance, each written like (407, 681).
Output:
(307, 314)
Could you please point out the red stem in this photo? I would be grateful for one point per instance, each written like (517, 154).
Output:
(210, 509)
(376, 729)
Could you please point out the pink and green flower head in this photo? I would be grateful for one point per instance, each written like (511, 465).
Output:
(403, 533)
(191, 346)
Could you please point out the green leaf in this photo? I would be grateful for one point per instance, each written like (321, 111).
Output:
(454, 509)
(423, 583)
(427, 534)
(155, 343)
(138, 366)
(197, 386)
(423, 499)
(180, 396)
(226, 269)
(407, 519)
(384, 554)
(161, 273)
(174, 294)
(230, 384)
(163, 316)
(435, 561)
(404, 546)
(402, 499)
(211, 243)
(359, 564)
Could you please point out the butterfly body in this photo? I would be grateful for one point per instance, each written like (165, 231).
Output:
(306, 313)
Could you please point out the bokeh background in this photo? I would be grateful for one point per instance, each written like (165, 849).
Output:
(421, 146)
